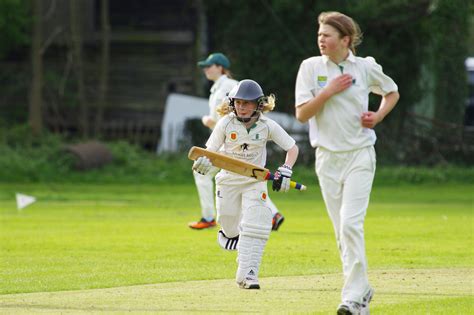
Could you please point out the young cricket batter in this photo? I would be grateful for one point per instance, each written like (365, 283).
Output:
(216, 69)
(332, 93)
(242, 202)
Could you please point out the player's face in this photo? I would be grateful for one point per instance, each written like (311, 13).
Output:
(213, 72)
(244, 108)
(330, 42)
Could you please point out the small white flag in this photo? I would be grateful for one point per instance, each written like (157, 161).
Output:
(23, 201)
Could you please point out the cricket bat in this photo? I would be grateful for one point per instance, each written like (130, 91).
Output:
(237, 166)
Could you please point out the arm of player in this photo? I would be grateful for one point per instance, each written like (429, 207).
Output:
(312, 107)
(202, 165)
(371, 119)
(208, 121)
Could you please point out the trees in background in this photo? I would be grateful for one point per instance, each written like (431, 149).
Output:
(422, 44)
(267, 40)
(450, 39)
(35, 118)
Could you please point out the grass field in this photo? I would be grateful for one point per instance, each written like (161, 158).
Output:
(120, 248)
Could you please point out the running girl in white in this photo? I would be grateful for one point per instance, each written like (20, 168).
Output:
(332, 93)
(216, 69)
(242, 202)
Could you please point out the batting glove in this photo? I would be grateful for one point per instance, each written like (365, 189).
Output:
(281, 181)
(202, 165)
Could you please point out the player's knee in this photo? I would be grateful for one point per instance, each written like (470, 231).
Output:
(350, 228)
(229, 224)
(257, 222)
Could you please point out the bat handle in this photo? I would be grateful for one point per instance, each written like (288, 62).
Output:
(293, 184)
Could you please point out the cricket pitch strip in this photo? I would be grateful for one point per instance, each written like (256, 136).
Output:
(316, 294)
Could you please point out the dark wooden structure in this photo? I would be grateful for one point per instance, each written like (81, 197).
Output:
(153, 51)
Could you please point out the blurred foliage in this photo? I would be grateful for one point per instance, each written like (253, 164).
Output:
(195, 133)
(267, 39)
(450, 18)
(15, 23)
(25, 158)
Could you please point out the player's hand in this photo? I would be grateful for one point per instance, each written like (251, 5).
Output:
(281, 181)
(339, 84)
(202, 165)
(208, 121)
(370, 119)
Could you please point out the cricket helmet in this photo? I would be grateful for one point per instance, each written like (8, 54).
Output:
(248, 90)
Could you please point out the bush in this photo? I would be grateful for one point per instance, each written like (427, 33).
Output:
(24, 158)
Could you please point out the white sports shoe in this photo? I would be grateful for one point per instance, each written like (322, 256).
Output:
(364, 309)
(349, 308)
(250, 281)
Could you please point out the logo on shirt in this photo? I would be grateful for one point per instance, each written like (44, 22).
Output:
(263, 196)
(244, 147)
(233, 136)
(322, 80)
(257, 137)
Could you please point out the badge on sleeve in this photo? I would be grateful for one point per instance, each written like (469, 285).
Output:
(322, 80)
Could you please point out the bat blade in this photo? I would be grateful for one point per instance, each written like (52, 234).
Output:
(237, 166)
(230, 164)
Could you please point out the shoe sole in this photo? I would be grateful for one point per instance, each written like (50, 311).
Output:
(202, 228)
(278, 223)
(343, 311)
(251, 287)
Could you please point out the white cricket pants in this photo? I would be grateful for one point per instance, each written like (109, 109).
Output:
(242, 210)
(346, 182)
(233, 203)
(205, 188)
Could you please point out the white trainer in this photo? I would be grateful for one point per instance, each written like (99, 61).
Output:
(364, 308)
(348, 308)
(250, 281)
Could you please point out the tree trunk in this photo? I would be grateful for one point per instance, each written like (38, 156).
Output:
(35, 118)
(202, 47)
(451, 22)
(76, 40)
(104, 66)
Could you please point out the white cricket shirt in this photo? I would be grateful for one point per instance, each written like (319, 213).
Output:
(219, 91)
(337, 127)
(230, 137)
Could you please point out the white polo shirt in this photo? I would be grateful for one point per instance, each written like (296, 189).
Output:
(337, 127)
(219, 91)
(231, 138)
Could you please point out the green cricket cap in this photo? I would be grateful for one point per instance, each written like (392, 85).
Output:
(215, 59)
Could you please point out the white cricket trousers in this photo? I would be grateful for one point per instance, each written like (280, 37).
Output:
(205, 188)
(346, 180)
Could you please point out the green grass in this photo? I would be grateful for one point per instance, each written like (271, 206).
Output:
(81, 237)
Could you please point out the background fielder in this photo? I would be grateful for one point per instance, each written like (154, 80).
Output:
(242, 207)
(332, 92)
(216, 69)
